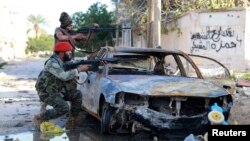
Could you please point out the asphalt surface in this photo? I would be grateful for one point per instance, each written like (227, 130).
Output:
(19, 103)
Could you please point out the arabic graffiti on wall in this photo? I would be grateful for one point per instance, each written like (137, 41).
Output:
(215, 39)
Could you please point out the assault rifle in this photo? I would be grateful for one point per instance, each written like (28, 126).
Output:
(94, 29)
(94, 63)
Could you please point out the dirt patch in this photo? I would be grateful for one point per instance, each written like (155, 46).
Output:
(240, 110)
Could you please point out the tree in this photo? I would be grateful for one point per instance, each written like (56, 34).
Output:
(41, 43)
(97, 13)
(37, 21)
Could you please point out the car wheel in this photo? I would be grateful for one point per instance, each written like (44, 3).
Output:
(106, 120)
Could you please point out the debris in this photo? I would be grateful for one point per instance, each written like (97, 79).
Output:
(205, 136)
(155, 138)
(9, 101)
(235, 122)
(48, 136)
(246, 91)
(190, 138)
(242, 83)
(50, 127)
(8, 139)
(27, 121)
(11, 139)
(19, 124)
(22, 114)
(216, 115)
(23, 91)
(50, 130)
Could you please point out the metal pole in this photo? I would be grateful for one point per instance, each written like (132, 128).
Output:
(117, 31)
(157, 23)
(150, 26)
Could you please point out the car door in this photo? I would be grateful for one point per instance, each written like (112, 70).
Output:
(91, 89)
(214, 71)
(87, 90)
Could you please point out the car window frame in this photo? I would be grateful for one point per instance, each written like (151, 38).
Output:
(211, 59)
(182, 69)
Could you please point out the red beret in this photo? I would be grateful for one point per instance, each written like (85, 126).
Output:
(63, 46)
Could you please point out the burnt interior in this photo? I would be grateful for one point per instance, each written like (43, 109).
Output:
(190, 106)
(168, 112)
(133, 99)
(176, 105)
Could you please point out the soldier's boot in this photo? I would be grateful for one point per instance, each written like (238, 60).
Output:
(71, 122)
(76, 121)
(82, 115)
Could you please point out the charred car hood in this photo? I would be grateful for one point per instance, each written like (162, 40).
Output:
(165, 85)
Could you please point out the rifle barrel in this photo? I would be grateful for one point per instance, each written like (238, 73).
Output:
(86, 30)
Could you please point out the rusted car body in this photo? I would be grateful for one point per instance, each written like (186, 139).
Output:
(155, 90)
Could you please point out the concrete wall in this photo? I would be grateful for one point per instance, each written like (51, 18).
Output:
(247, 39)
(222, 35)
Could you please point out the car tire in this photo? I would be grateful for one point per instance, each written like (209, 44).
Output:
(107, 114)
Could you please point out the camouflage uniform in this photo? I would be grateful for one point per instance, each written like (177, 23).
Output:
(53, 89)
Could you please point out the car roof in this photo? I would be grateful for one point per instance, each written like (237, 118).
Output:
(136, 50)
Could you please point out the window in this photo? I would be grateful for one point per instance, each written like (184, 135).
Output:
(210, 68)
(189, 69)
(171, 66)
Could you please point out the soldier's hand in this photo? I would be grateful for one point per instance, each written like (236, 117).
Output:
(83, 68)
(102, 63)
(95, 25)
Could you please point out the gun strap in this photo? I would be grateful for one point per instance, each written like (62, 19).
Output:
(89, 35)
(71, 40)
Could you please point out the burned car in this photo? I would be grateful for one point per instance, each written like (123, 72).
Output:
(155, 90)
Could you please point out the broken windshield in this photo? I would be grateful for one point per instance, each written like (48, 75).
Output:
(142, 65)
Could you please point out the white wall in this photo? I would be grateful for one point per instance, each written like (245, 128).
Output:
(13, 33)
(247, 38)
(222, 35)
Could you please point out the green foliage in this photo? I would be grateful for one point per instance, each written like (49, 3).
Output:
(172, 9)
(180, 7)
(42, 43)
(233, 76)
(37, 21)
(245, 76)
(97, 13)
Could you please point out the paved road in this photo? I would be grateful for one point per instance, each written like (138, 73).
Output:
(19, 102)
(18, 98)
